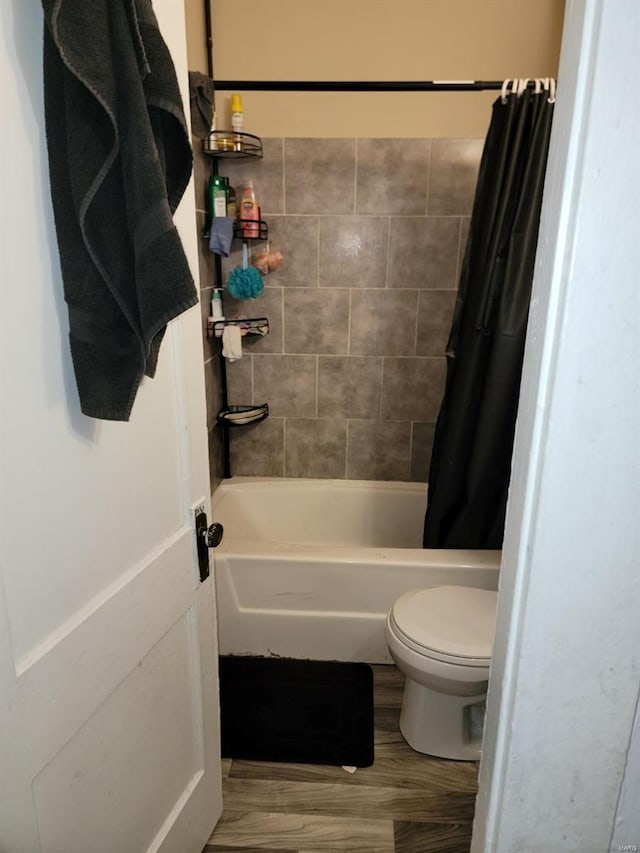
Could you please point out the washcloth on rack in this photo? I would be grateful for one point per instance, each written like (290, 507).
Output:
(119, 162)
(221, 235)
(232, 343)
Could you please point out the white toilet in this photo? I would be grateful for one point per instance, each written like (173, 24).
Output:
(442, 639)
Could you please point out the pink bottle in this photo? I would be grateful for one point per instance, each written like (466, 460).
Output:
(249, 210)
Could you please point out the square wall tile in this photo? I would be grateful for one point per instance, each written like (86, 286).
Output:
(257, 450)
(315, 448)
(212, 389)
(349, 386)
(453, 176)
(216, 462)
(412, 388)
(202, 164)
(435, 313)
(316, 321)
(211, 345)
(297, 238)
(393, 176)
(378, 450)
(287, 383)
(465, 224)
(421, 446)
(383, 322)
(319, 175)
(269, 305)
(234, 260)
(266, 174)
(423, 252)
(206, 258)
(240, 381)
(353, 251)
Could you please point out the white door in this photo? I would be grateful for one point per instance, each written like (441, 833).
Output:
(109, 734)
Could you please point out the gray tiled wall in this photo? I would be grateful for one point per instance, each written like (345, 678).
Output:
(373, 232)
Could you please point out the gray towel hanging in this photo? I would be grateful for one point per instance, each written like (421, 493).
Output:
(119, 161)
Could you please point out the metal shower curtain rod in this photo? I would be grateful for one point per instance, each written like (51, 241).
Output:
(358, 85)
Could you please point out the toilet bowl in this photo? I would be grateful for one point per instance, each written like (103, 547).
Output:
(442, 639)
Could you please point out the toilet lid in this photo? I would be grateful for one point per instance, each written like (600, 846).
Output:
(448, 622)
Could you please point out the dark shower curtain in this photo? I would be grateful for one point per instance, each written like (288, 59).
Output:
(471, 459)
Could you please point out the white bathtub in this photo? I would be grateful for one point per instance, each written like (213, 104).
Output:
(309, 568)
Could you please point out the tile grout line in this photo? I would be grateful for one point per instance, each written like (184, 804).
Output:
(317, 385)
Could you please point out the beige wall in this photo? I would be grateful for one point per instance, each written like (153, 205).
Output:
(196, 35)
(376, 40)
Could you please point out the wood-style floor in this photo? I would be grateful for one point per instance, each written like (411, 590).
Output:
(404, 803)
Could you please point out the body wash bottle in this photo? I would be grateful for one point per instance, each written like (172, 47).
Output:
(249, 212)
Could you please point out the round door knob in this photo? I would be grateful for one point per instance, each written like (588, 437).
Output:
(213, 534)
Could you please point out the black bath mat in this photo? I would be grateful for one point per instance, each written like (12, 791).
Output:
(300, 711)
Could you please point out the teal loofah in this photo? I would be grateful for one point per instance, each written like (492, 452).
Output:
(245, 282)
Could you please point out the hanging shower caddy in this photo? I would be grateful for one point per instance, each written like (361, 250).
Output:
(228, 144)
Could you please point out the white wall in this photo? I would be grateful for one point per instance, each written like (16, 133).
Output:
(566, 669)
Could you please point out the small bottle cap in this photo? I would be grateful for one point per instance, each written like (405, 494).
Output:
(236, 103)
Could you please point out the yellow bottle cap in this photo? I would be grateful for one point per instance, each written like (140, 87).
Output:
(236, 103)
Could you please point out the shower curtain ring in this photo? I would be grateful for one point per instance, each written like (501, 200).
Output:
(503, 91)
(552, 90)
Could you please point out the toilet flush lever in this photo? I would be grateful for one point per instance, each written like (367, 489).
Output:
(207, 536)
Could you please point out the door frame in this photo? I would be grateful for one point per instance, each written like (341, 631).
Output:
(567, 647)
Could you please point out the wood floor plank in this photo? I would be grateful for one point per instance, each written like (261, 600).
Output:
(396, 765)
(388, 686)
(406, 802)
(269, 831)
(217, 848)
(432, 837)
(386, 725)
(348, 800)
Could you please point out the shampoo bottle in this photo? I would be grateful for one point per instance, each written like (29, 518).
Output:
(232, 207)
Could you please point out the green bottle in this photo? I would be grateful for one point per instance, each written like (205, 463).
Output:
(232, 205)
(217, 196)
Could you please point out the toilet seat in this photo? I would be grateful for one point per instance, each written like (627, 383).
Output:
(451, 624)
